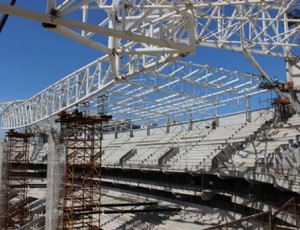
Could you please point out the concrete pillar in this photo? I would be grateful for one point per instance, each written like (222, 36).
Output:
(168, 128)
(190, 122)
(293, 74)
(56, 169)
(3, 195)
(216, 117)
(148, 127)
(116, 132)
(248, 110)
(131, 130)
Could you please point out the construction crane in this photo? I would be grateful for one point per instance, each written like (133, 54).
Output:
(144, 36)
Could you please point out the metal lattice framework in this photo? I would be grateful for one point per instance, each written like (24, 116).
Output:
(141, 36)
(168, 91)
(263, 27)
(10, 105)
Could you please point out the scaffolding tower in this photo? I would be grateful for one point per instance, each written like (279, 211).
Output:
(82, 136)
(291, 213)
(17, 180)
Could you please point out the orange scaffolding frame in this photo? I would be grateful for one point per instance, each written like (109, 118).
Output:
(291, 209)
(82, 136)
(16, 179)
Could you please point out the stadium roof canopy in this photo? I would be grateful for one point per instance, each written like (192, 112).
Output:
(141, 72)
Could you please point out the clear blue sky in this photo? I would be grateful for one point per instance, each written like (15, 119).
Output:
(32, 58)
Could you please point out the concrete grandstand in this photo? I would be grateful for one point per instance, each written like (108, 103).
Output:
(179, 176)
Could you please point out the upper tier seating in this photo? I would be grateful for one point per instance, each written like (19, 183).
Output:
(199, 155)
(246, 145)
(151, 149)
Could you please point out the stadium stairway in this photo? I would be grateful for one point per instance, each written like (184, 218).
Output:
(35, 207)
(39, 150)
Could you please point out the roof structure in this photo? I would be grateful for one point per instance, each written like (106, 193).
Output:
(141, 72)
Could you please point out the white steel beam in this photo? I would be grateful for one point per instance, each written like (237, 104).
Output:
(17, 11)
(261, 27)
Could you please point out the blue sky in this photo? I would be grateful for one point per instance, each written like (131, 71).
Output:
(32, 58)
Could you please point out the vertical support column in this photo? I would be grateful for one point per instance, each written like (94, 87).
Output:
(293, 74)
(148, 128)
(113, 43)
(248, 109)
(56, 168)
(130, 131)
(270, 221)
(190, 122)
(168, 127)
(116, 132)
(216, 121)
(51, 4)
(17, 181)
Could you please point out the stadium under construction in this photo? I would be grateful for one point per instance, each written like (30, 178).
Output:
(143, 139)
